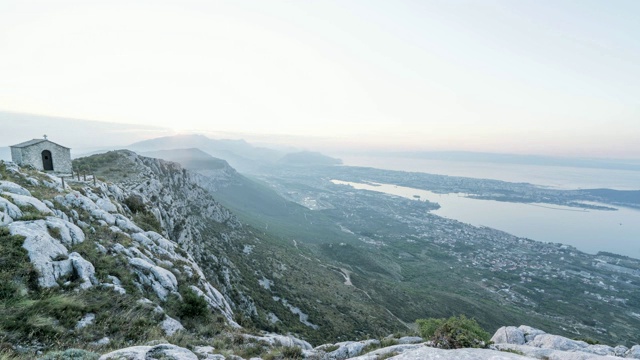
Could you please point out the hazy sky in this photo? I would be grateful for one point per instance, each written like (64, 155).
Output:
(551, 77)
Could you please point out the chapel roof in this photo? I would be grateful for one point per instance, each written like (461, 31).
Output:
(34, 142)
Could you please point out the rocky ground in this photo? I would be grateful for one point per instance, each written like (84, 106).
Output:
(509, 342)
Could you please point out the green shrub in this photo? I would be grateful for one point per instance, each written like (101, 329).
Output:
(54, 232)
(193, 305)
(331, 348)
(589, 341)
(135, 203)
(32, 215)
(292, 352)
(454, 332)
(513, 351)
(147, 221)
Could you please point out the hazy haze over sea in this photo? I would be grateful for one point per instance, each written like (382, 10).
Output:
(560, 177)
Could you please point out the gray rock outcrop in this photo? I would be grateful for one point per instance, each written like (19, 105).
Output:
(162, 351)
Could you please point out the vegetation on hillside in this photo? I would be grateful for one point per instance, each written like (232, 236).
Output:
(453, 333)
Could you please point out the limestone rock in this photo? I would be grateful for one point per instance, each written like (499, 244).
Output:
(458, 354)
(552, 354)
(203, 350)
(509, 335)
(126, 225)
(349, 349)
(600, 350)
(171, 326)
(620, 350)
(633, 353)
(162, 351)
(8, 211)
(10, 187)
(216, 301)
(283, 340)
(410, 340)
(70, 234)
(106, 205)
(162, 281)
(25, 200)
(556, 342)
(387, 351)
(46, 254)
(84, 269)
(102, 342)
(529, 332)
(85, 321)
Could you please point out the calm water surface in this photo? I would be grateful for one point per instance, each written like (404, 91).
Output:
(588, 230)
(560, 177)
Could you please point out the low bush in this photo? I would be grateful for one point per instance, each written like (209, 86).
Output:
(135, 203)
(193, 305)
(453, 333)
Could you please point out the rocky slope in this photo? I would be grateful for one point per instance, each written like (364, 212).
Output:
(272, 283)
(149, 255)
(74, 261)
(511, 342)
(150, 266)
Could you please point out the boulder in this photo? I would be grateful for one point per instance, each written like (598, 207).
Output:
(457, 354)
(24, 200)
(126, 225)
(633, 353)
(551, 354)
(171, 326)
(620, 350)
(600, 350)
(10, 187)
(556, 342)
(349, 349)
(388, 351)
(85, 321)
(529, 332)
(162, 351)
(106, 205)
(509, 335)
(410, 340)
(216, 301)
(162, 281)
(281, 340)
(85, 270)
(10, 209)
(70, 234)
(46, 253)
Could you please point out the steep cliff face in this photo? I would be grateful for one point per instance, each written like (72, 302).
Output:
(270, 282)
(74, 261)
(191, 217)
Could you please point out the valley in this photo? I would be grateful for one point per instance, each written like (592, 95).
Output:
(422, 265)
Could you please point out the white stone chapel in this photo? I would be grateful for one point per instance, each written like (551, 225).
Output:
(42, 154)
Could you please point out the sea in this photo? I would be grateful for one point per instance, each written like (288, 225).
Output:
(588, 230)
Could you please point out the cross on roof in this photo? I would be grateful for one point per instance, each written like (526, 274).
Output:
(45, 136)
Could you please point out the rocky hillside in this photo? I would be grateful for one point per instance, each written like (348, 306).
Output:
(148, 265)
(76, 270)
(147, 253)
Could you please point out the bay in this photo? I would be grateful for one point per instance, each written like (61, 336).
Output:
(588, 230)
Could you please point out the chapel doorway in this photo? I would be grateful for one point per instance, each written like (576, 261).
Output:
(47, 161)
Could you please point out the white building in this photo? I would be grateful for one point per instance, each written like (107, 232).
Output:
(43, 155)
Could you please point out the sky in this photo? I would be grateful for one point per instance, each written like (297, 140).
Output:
(529, 76)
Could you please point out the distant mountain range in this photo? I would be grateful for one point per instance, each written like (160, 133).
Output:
(241, 155)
